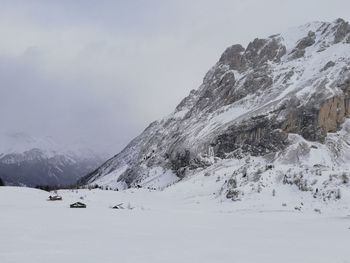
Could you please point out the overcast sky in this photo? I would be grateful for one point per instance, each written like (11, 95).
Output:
(97, 72)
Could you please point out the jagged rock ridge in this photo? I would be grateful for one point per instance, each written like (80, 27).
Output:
(275, 101)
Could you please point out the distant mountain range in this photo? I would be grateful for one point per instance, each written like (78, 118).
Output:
(30, 161)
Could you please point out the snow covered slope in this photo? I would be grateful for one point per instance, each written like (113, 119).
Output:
(271, 114)
(30, 161)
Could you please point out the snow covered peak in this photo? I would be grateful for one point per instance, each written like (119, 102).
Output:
(272, 103)
(318, 34)
(292, 36)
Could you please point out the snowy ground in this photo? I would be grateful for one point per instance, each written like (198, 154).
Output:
(175, 225)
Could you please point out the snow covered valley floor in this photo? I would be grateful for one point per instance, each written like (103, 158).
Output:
(174, 225)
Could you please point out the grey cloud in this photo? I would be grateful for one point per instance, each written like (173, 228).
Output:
(99, 71)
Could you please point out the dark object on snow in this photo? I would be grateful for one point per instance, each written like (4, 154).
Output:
(2, 182)
(119, 206)
(297, 208)
(55, 198)
(269, 166)
(78, 205)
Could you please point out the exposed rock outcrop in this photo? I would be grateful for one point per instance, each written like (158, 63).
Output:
(233, 56)
(305, 42)
(342, 31)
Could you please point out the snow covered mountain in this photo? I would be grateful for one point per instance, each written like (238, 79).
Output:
(273, 113)
(29, 161)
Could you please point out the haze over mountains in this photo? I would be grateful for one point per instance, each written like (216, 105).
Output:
(30, 161)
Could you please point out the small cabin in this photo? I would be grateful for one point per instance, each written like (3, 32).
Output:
(118, 206)
(78, 205)
(55, 198)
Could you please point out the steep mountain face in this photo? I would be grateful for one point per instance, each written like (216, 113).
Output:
(29, 161)
(274, 112)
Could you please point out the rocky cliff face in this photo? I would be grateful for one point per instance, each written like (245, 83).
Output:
(273, 101)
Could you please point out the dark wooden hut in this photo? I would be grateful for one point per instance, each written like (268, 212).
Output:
(55, 198)
(78, 205)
